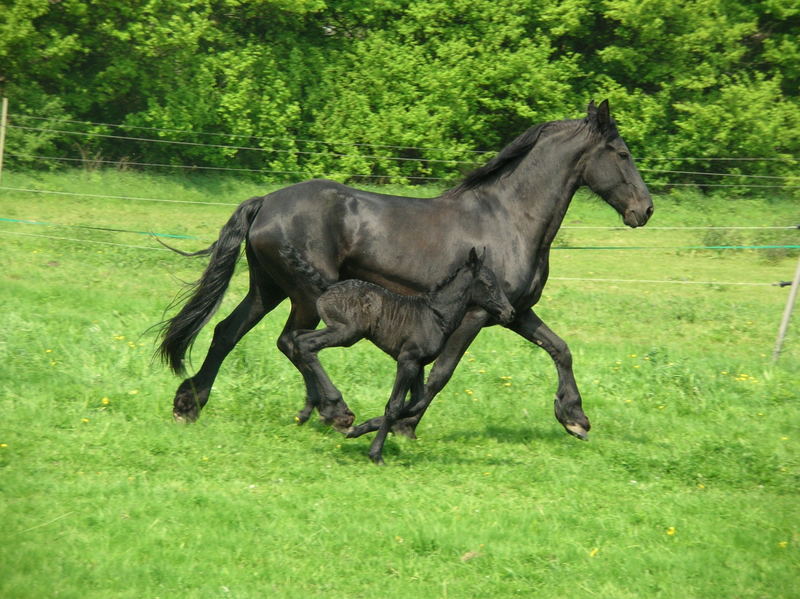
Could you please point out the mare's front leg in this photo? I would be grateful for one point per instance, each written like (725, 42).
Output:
(440, 374)
(567, 405)
(409, 373)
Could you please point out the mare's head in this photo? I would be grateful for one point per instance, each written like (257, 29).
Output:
(609, 170)
(485, 291)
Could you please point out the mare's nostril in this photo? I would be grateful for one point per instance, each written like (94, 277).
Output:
(649, 211)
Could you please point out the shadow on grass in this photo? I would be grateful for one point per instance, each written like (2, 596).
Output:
(407, 453)
(507, 434)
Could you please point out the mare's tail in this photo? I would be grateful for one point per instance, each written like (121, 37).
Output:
(306, 274)
(205, 295)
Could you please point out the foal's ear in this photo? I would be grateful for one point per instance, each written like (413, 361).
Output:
(475, 261)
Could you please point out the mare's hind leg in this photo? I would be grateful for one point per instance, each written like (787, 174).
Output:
(320, 391)
(192, 394)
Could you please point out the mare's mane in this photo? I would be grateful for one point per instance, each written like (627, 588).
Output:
(510, 156)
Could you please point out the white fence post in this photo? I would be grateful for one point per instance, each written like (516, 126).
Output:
(3, 117)
(787, 313)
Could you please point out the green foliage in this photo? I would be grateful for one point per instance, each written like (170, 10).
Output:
(408, 79)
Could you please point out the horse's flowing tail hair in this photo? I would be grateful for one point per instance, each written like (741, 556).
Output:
(205, 295)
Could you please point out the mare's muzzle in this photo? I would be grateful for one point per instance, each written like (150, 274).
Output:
(638, 217)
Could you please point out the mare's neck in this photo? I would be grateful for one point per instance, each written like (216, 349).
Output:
(538, 192)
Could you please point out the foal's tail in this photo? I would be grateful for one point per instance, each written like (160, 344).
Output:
(305, 273)
(205, 295)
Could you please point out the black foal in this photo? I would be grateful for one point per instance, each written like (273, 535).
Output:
(411, 329)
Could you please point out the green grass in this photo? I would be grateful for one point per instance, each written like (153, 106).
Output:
(688, 487)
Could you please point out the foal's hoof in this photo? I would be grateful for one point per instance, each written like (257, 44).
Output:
(377, 460)
(356, 431)
(302, 417)
(576, 430)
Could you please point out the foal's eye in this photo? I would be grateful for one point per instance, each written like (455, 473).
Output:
(624, 155)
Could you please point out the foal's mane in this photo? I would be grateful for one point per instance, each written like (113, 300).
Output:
(448, 279)
(510, 156)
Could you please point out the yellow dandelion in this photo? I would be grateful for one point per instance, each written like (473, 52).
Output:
(119, 337)
(783, 544)
(671, 531)
(594, 552)
(3, 445)
(48, 351)
(105, 401)
(133, 392)
(468, 391)
(84, 420)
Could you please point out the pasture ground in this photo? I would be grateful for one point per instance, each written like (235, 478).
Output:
(687, 488)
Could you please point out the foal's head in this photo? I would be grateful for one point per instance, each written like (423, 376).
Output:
(485, 291)
(609, 170)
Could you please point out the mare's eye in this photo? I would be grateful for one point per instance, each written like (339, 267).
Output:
(624, 155)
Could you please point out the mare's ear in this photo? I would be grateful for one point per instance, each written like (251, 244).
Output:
(604, 116)
(599, 116)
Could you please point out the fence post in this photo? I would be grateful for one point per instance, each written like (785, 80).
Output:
(787, 313)
(3, 118)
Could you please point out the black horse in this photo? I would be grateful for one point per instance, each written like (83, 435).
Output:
(411, 328)
(513, 205)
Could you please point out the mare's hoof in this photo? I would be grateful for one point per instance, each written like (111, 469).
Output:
(377, 460)
(184, 417)
(576, 430)
(405, 429)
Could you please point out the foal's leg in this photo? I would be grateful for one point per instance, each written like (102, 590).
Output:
(568, 408)
(408, 374)
(192, 394)
(440, 374)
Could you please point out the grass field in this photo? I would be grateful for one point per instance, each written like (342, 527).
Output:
(688, 487)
